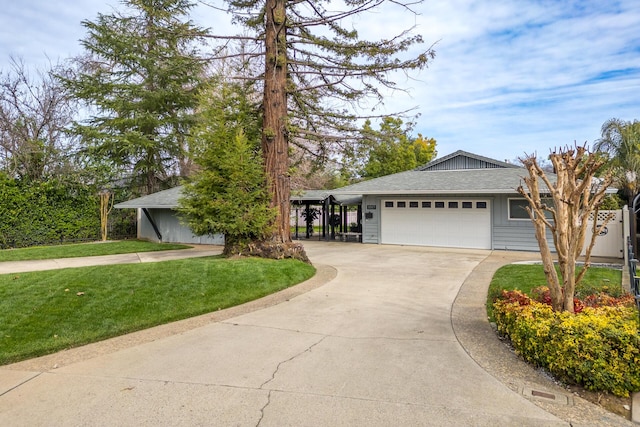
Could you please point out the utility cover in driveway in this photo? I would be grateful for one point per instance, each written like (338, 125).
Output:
(462, 223)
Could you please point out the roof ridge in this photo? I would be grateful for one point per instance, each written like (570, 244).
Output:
(466, 154)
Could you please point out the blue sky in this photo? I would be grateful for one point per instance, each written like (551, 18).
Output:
(510, 76)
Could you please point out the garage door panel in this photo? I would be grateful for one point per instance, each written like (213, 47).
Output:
(447, 227)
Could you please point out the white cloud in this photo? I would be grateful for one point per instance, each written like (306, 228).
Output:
(510, 76)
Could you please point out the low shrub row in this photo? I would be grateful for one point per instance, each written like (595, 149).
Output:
(598, 348)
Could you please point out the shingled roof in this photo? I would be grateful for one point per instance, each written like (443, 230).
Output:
(475, 181)
(166, 199)
(457, 173)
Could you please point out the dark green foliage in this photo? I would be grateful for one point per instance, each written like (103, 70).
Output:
(612, 202)
(141, 76)
(391, 149)
(47, 212)
(228, 194)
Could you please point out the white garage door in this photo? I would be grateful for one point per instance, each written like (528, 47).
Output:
(433, 222)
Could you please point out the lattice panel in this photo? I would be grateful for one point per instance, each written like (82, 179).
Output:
(603, 215)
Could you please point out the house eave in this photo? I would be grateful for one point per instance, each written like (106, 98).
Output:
(430, 192)
(125, 205)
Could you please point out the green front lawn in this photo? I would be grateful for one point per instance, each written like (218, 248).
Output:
(526, 277)
(43, 312)
(85, 249)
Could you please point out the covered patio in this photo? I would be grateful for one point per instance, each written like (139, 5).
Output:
(339, 217)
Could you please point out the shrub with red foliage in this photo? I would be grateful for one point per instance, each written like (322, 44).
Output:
(601, 299)
(516, 297)
(605, 300)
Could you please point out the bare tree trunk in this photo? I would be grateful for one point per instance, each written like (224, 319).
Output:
(540, 223)
(575, 195)
(275, 143)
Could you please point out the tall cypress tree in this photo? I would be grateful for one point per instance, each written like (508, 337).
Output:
(139, 78)
(228, 193)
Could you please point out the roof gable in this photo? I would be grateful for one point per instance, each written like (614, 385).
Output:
(461, 160)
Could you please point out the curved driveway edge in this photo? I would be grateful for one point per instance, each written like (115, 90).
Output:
(324, 274)
(469, 320)
(375, 346)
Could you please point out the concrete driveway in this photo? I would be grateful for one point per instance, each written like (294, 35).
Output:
(373, 347)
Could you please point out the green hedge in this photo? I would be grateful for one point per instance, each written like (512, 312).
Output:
(47, 212)
(598, 348)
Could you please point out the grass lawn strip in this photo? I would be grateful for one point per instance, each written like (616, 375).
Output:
(526, 277)
(86, 249)
(44, 312)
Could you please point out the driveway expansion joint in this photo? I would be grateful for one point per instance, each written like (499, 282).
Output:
(20, 384)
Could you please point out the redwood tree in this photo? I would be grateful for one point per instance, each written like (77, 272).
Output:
(314, 71)
(563, 206)
(275, 143)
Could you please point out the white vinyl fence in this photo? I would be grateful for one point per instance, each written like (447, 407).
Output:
(610, 242)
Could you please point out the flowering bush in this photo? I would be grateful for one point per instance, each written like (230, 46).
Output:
(598, 348)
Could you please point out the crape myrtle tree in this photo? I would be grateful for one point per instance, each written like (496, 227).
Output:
(315, 69)
(563, 206)
(139, 77)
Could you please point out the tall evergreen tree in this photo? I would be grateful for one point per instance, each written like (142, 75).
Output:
(228, 193)
(314, 69)
(140, 77)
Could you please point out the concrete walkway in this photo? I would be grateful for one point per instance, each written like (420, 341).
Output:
(389, 341)
(9, 267)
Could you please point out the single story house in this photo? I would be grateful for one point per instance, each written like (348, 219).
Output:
(461, 200)
(158, 220)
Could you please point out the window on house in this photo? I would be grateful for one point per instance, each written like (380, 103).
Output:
(481, 205)
(467, 205)
(413, 204)
(453, 205)
(426, 204)
(439, 204)
(388, 204)
(518, 209)
(402, 204)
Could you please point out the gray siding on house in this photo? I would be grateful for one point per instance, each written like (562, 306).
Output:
(172, 230)
(461, 162)
(506, 234)
(514, 235)
(371, 226)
